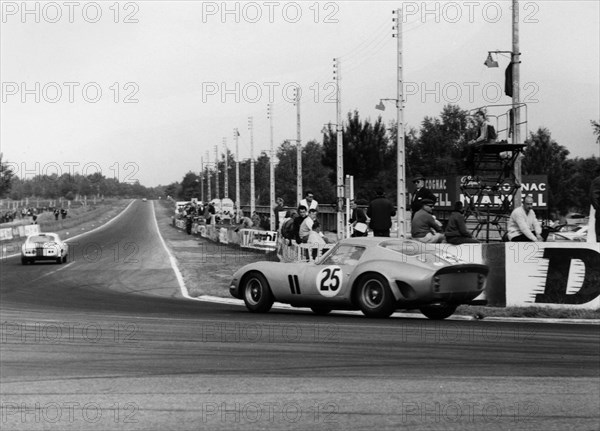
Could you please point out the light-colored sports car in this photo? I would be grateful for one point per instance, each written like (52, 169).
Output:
(376, 275)
(44, 246)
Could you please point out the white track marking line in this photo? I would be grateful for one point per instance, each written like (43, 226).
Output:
(52, 272)
(178, 275)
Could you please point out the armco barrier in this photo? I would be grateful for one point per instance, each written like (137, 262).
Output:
(553, 274)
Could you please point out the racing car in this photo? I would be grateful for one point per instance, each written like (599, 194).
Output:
(373, 274)
(44, 246)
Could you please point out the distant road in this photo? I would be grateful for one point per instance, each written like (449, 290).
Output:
(107, 342)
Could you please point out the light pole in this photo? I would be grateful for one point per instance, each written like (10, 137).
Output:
(298, 149)
(515, 62)
(236, 135)
(202, 180)
(208, 177)
(252, 198)
(271, 170)
(226, 167)
(337, 75)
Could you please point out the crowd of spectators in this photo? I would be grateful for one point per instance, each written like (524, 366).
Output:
(30, 214)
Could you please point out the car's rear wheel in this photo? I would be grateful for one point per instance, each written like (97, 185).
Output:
(321, 310)
(374, 296)
(438, 312)
(257, 293)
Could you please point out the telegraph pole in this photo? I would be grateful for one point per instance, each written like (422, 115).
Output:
(516, 63)
(400, 151)
(217, 193)
(271, 168)
(337, 72)
(252, 198)
(202, 180)
(298, 150)
(208, 176)
(226, 191)
(236, 136)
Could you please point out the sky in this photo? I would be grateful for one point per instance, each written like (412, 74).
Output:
(144, 91)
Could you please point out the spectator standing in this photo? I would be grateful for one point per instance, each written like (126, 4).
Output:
(358, 219)
(56, 213)
(523, 225)
(309, 202)
(63, 213)
(286, 230)
(424, 227)
(279, 212)
(595, 201)
(380, 212)
(421, 192)
(298, 221)
(456, 230)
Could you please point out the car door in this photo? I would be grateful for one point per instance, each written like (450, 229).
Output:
(329, 278)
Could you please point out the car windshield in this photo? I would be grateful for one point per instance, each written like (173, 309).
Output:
(42, 238)
(344, 254)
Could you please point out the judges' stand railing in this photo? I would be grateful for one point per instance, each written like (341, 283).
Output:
(491, 187)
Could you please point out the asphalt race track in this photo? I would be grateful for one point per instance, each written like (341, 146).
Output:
(108, 342)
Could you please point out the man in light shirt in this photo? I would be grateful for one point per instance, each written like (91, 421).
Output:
(309, 202)
(307, 225)
(523, 225)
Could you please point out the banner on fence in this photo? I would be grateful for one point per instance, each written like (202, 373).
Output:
(553, 275)
(258, 239)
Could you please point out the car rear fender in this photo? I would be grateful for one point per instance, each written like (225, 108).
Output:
(408, 274)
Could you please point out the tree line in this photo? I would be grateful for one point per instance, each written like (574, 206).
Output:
(437, 148)
(69, 186)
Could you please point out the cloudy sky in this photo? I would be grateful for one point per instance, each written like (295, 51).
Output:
(143, 90)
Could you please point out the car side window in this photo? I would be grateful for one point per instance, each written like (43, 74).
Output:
(344, 255)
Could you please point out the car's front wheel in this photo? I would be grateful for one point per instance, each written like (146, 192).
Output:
(374, 296)
(438, 312)
(24, 261)
(257, 293)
